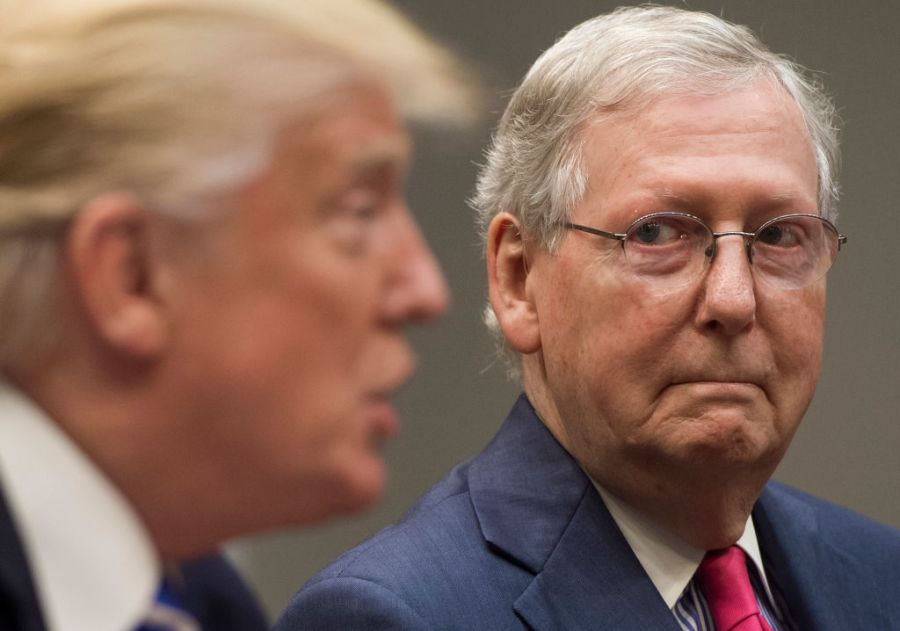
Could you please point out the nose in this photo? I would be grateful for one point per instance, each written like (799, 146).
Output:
(416, 289)
(728, 301)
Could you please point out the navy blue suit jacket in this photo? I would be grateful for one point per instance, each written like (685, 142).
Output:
(212, 591)
(518, 538)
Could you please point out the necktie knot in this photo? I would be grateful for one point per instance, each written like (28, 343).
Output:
(724, 581)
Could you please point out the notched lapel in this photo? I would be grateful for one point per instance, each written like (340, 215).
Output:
(592, 580)
(536, 507)
(525, 488)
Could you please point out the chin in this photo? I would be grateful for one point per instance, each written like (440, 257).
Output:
(360, 485)
(726, 437)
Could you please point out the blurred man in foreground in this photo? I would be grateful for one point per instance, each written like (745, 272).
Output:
(658, 207)
(206, 268)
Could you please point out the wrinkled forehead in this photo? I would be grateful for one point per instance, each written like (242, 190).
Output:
(733, 112)
(751, 140)
(764, 92)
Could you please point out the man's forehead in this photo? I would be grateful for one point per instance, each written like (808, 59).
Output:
(736, 117)
(358, 127)
(761, 101)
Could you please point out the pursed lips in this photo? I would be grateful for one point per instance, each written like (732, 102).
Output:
(722, 385)
(722, 373)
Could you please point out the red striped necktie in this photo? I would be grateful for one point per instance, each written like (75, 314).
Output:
(723, 578)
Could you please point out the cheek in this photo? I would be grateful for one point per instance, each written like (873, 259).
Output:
(284, 351)
(607, 358)
(305, 331)
(796, 326)
(631, 340)
(797, 320)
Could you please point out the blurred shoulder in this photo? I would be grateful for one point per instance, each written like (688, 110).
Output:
(219, 598)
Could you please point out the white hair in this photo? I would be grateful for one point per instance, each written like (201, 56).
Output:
(619, 62)
(178, 102)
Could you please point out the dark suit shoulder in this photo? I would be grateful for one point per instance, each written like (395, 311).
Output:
(444, 508)
(834, 568)
(19, 607)
(856, 534)
(416, 574)
(219, 598)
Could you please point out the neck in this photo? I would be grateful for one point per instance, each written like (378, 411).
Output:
(129, 438)
(706, 519)
(703, 500)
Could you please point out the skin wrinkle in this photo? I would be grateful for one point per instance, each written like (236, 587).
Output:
(610, 377)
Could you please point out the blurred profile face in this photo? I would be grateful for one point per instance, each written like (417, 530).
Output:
(296, 313)
(642, 381)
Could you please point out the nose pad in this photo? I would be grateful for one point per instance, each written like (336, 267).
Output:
(712, 248)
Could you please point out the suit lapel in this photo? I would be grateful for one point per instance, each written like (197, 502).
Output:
(823, 587)
(536, 507)
(592, 580)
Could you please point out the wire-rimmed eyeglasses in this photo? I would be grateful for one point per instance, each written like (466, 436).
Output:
(675, 248)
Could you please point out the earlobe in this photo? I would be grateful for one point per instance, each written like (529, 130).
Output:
(113, 270)
(508, 276)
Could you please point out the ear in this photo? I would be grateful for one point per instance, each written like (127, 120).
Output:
(113, 272)
(507, 269)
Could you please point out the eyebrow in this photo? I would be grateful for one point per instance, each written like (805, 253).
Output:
(375, 156)
(671, 196)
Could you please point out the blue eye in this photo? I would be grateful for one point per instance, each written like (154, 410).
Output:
(657, 231)
(771, 235)
(782, 234)
(647, 233)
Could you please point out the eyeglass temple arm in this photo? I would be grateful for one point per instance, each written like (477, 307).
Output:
(600, 233)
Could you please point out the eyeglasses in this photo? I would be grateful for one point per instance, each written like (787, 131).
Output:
(673, 248)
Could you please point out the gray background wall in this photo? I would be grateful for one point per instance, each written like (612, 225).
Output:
(846, 450)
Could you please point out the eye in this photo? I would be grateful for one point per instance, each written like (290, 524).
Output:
(354, 219)
(781, 234)
(657, 231)
(362, 205)
(364, 213)
(647, 233)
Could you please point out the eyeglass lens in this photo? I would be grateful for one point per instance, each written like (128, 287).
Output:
(788, 252)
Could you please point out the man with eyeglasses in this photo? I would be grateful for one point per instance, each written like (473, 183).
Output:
(658, 208)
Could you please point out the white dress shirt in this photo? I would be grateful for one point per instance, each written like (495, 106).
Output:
(668, 561)
(94, 566)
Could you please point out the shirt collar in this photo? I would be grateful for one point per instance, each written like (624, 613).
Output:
(668, 561)
(94, 565)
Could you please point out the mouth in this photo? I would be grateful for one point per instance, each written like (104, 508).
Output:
(382, 419)
(721, 389)
(380, 411)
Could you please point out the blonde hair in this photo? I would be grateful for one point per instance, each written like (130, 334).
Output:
(176, 101)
